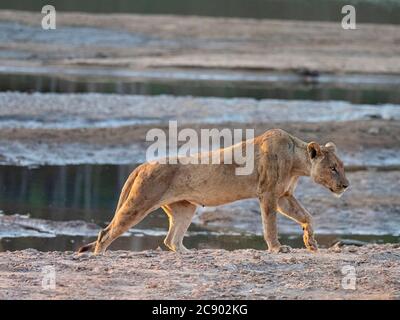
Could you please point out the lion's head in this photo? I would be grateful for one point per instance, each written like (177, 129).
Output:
(326, 167)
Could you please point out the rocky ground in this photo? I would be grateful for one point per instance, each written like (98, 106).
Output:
(205, 274)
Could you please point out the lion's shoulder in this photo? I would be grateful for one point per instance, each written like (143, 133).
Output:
(276, 140)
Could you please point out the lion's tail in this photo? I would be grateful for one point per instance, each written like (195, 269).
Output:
(127, 188)
(122, 198)
(88, 247)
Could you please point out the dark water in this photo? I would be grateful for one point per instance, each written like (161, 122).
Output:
(90, 193)
(371, 11)
(147, 242)
(366, 93)
(61, 193)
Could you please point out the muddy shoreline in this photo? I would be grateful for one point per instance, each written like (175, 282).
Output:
(203, 274)
(160, 41)
(56, 129)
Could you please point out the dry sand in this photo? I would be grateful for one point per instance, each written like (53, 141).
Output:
(204, 274)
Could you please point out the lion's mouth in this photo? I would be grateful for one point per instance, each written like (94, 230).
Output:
(337, 193)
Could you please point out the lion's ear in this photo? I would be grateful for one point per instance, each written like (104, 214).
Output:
(331, 146)
(314, 150)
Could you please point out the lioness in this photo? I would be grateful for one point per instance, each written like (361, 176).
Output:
(279, 160)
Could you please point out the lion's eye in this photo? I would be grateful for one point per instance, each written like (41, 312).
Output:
(333, 169)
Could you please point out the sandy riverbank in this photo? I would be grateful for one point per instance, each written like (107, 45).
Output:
(109, 128)
(204, 274)
(161, 41)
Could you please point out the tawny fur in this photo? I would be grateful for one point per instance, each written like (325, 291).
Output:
(279, 160)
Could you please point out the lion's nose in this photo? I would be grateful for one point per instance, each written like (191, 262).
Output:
(345, 185)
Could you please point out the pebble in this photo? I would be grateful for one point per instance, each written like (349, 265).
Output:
(374, 131)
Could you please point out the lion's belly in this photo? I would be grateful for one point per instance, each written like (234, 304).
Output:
(217, 200)
(215, 186)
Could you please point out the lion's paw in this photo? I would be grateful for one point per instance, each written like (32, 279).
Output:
(311, 244)
(281, 249)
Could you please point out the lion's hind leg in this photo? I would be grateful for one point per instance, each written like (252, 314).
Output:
(180, 216)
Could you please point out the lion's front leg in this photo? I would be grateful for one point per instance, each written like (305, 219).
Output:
(268, 207)
(290, 207)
